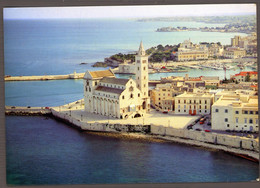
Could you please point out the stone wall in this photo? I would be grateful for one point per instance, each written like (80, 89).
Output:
(104, 127)
(213, 138)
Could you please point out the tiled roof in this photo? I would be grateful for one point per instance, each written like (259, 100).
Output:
(245, 73)
(109, 89)
(101, 74)
(118, 81)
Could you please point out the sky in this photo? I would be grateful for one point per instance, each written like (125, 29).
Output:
(129, 11)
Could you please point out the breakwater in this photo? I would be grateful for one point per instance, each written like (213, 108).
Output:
(45, 77)
(19, 110)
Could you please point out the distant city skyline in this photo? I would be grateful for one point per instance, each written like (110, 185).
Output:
(130, 11)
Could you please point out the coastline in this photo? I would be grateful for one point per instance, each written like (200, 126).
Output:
(252, 156)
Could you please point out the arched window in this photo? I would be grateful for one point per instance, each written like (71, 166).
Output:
(131, 96)
(123, 97)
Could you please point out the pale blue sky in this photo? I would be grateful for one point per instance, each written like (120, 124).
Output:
(129, 11)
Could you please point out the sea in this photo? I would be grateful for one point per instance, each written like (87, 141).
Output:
(44, 151)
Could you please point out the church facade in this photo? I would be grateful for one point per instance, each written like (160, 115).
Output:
(107, 95)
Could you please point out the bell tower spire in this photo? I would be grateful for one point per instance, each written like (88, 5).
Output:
(141, 50)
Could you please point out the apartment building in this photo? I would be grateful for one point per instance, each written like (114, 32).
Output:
(235, 113)
(193, 103)
(234, 53)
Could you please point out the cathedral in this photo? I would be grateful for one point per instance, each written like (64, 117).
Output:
(107, 95)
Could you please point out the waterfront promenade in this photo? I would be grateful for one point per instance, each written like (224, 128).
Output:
(154, 124)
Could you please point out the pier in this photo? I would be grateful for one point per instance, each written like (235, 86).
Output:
(45, 77)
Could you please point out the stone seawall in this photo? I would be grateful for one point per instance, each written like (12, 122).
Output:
(233, 144)
(103, 127)
(25, 111)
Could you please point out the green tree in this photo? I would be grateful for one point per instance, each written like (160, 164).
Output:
(247, 79)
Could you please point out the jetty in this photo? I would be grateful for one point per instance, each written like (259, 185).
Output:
(27, 110)
(45, 77)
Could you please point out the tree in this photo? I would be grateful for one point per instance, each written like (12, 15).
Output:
(247, 79)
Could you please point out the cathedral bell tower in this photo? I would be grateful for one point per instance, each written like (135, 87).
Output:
(141, 62)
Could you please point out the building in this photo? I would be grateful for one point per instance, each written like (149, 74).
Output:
(235, 41)
(107, 95)
(235, 113)
(192, 55)
(188, 51)
(193, 103)
(162, 97)
(234, 53)
(245, 76)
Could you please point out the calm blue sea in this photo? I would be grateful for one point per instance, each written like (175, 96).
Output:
(44, 151)
(38, 47)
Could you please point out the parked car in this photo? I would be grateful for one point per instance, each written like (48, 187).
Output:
(13, 107)
(28, 107)
(207, 131)
(47, 107)
(228, 130)
(198, 129)
(165, 112)
(209, 123)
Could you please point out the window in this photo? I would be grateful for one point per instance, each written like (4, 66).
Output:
(250, 121)
(123, 97)
(236, 120)
(144, 61)
(131, 96)
(226, 110)
(205, 101)
(251, 112)
(179, 106)
(256, 121)
(245, 120)
(184, 110)
(138, 68)
(138, 94)
(179, 101)
(138, 61)
(184, 106)
(190, 101)
(216, 110)
(256, 112)
(245, 112)
(237, 112)
(184, 101)
(200, 101)
(87, 83)
(89, 89)
(226, 119)
(205, 107)
(144, 68)
(144, 77)
(95, 83)
(200, 107)
(205, 111)
(227, 125)
(159, 99)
